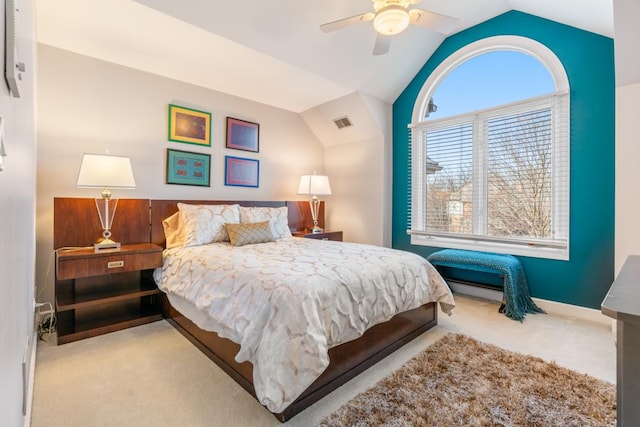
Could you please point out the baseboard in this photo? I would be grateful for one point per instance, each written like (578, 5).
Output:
(551, 307)
(475, 291)
(574, 312)
(30, 380)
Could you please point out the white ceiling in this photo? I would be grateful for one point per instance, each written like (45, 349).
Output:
(273, 51)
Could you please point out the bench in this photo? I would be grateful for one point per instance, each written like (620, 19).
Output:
(516, 301)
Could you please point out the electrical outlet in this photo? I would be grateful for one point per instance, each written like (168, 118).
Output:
(39, 313)
(44, 319)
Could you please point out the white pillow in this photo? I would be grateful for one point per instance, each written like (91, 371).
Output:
(204, 224)
(278, 219)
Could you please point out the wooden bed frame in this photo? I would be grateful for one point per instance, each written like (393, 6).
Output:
(346, 360)
(140, 221)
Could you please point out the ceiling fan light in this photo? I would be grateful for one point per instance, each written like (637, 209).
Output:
(391, 20)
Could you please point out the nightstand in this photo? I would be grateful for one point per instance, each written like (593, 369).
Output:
(106, 291)
(325, 235)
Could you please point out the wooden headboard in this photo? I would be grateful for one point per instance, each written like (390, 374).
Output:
(76, 221)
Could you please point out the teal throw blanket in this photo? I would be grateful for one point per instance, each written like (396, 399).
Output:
(517, 301)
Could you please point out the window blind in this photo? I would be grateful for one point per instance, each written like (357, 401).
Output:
(500, 174)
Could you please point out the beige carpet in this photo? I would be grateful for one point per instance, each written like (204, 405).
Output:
(461, 381)
(152, 376)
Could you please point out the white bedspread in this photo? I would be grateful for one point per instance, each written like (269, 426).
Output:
(287, 302)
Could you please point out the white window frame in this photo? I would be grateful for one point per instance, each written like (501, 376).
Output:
(561, 81)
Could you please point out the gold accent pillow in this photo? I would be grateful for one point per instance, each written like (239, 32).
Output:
(249, 233)
(173, 231)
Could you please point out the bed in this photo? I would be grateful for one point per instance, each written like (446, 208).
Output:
(337, 330)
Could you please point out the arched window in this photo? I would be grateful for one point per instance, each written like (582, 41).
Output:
(490, 166)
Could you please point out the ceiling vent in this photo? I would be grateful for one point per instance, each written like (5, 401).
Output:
(343, 122)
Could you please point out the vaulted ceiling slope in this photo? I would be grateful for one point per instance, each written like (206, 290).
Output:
(273, 52)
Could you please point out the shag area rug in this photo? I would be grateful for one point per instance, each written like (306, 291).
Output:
(459, 381)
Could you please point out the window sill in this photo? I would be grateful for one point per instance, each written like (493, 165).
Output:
(500, 248)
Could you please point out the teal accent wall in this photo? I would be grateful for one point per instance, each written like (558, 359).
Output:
(588, 60)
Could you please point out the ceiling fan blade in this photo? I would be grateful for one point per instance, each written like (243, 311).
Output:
(382, 44)
(434, 21)
(346, 22)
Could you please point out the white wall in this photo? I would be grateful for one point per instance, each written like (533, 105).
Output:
(627, 173)
(17, 219)
(382, 113)
(358, 163)
(356, 205)
(626, 14)
(361, 179)
(88, 105)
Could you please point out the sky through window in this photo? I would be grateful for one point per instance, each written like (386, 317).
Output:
(491, 79)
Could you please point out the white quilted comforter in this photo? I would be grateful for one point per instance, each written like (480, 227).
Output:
(287, 302)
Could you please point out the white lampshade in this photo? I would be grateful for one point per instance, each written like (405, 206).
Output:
(105, 171)
(315, 185)
(391, 20)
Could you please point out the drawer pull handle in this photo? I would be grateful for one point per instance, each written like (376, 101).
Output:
(115, 264)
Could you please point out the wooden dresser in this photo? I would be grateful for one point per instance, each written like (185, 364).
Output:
(622, 303)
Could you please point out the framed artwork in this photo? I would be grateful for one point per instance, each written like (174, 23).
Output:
(241, 172)
(243, 135)
(186, 168)
(190, 126)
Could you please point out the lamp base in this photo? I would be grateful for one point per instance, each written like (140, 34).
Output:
(105, 244)
(317, 229)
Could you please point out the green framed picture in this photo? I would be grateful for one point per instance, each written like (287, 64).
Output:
(187, 168)
(189, 126)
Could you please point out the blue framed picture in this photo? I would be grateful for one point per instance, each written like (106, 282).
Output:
(241, 172)
(187, 168)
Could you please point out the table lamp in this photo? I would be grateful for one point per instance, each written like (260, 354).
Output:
(106, 171)
(314, 185)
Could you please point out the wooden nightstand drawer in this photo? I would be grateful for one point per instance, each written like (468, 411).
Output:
(325, 235)
(86, 263)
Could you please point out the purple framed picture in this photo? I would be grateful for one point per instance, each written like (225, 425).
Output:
(243, 135)
(241, 172)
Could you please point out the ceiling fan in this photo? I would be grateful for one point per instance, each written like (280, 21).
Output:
(391, 17)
